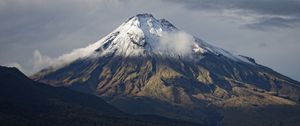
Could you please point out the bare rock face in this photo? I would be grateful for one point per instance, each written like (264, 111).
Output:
(140, 69)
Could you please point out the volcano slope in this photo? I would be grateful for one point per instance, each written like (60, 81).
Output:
(148, 66)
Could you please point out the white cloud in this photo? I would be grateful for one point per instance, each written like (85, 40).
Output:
(177, 43)
(40, 61)
(43, 61)
(76, 54)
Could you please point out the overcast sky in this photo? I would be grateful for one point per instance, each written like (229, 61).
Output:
(267, 30)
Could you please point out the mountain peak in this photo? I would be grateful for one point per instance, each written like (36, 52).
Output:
(144, 35)
(149, 17)
(147, 21)
(183, 75)
(144, 15)
(140, 35)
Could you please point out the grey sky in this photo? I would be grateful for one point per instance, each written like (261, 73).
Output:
(267, 30)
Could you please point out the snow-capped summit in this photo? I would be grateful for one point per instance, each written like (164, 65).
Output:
(140, 35)
(144, 35)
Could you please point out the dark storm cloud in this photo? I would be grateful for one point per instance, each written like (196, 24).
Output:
(272, 13)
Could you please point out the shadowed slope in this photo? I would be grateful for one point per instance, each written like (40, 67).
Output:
(25, 102)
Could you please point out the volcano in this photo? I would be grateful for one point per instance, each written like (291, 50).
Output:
(149, 66)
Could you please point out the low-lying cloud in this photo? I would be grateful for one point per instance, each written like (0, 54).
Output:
(176, 43)
(43, 61)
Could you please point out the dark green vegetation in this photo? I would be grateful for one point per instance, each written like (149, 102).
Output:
(24, 102)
